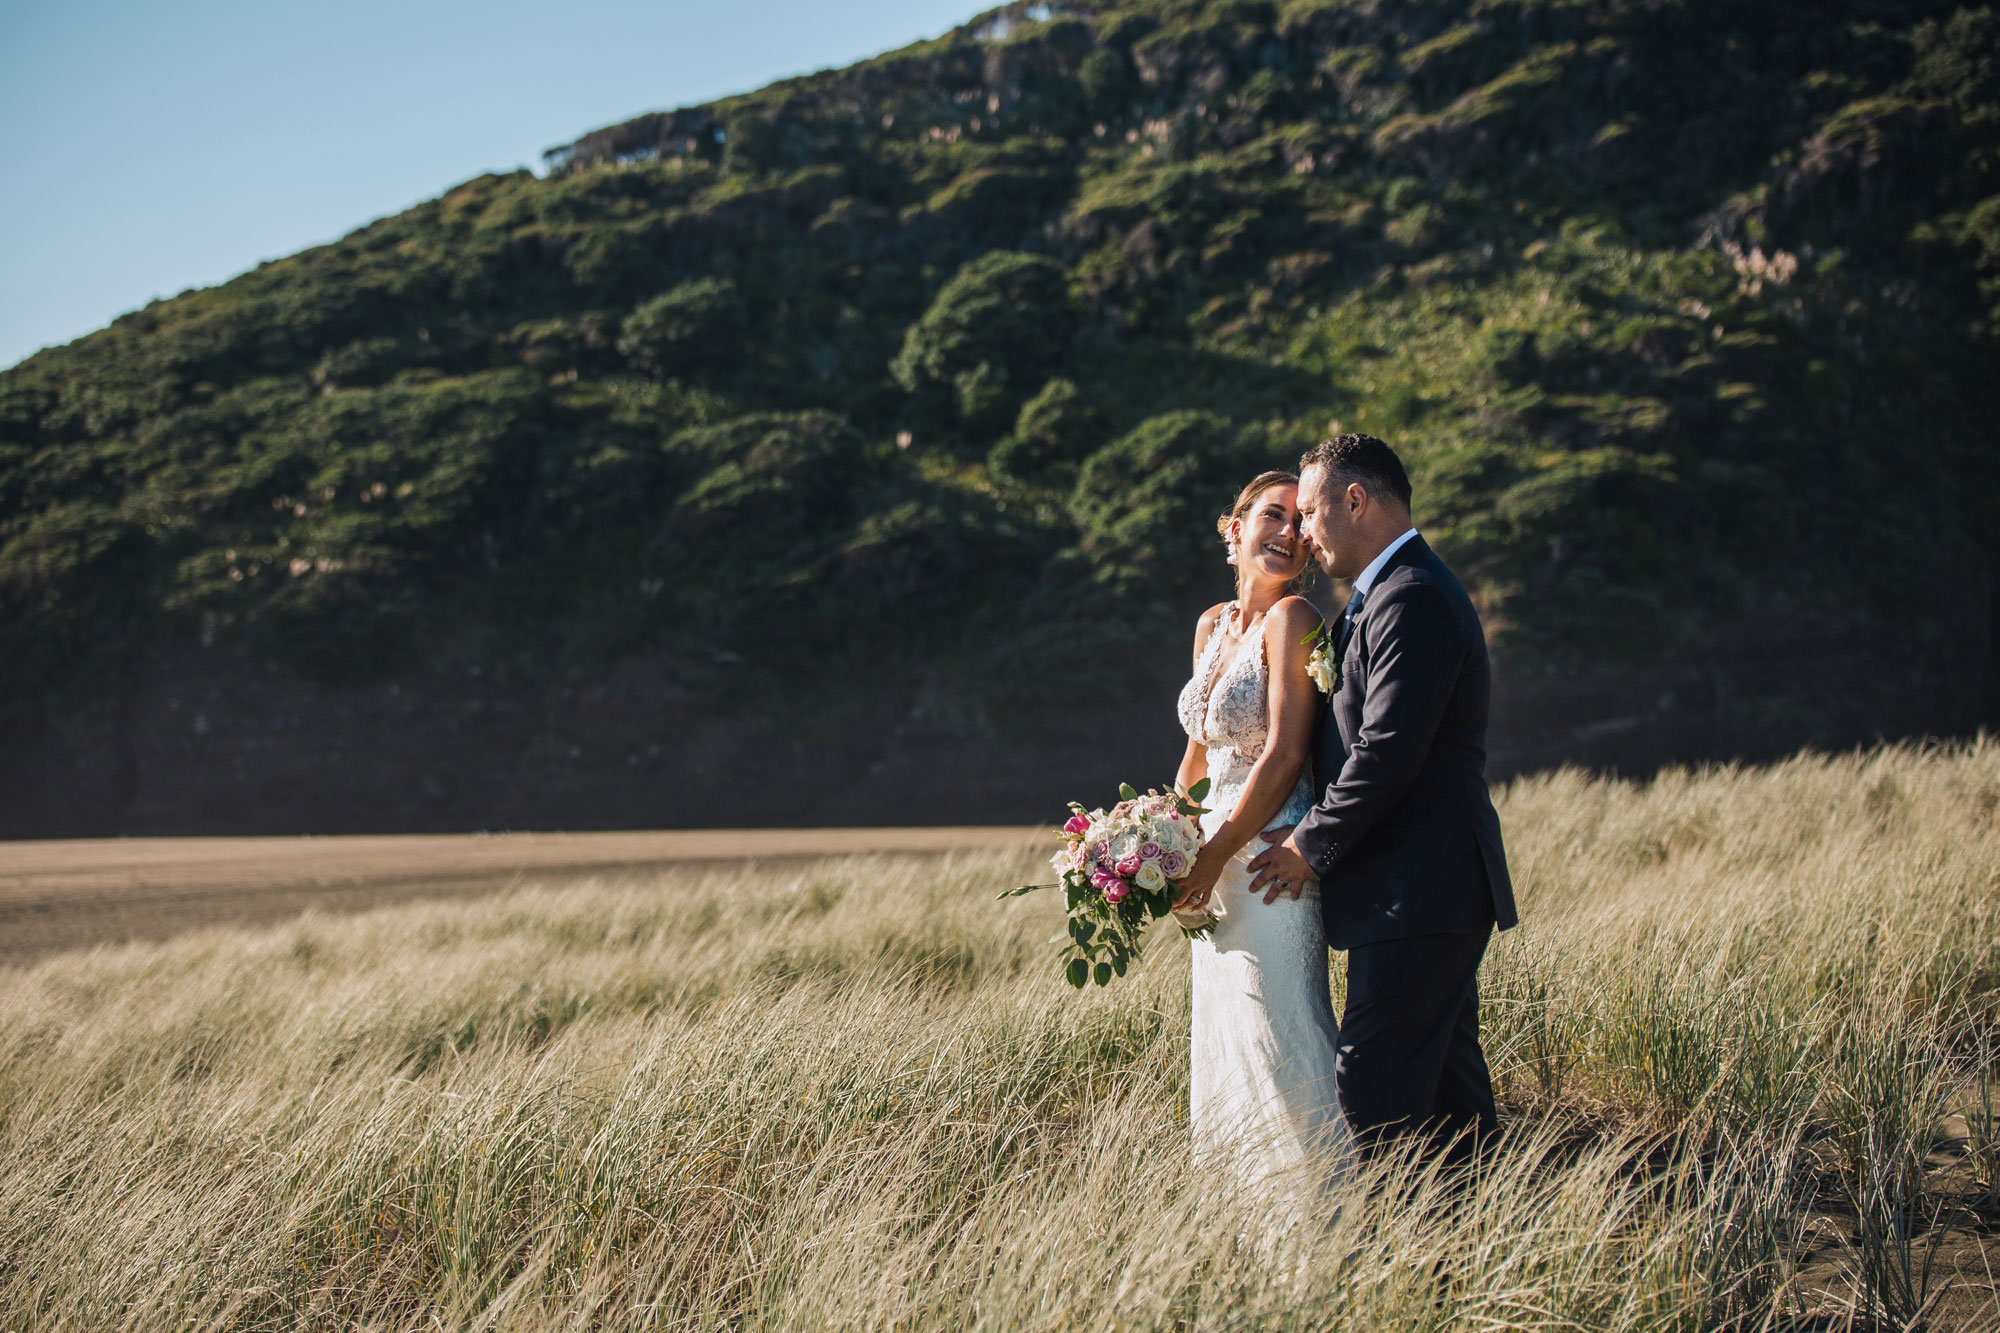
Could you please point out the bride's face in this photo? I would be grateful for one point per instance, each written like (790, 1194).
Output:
(1267, 538)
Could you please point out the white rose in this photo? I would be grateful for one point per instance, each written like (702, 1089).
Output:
(1324, 671)
(1150, 877)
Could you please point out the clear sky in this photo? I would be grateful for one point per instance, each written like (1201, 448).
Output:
(152, 147)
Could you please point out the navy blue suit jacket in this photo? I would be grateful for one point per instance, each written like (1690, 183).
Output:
(1404, 837)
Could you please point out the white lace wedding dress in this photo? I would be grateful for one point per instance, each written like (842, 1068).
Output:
(1260, 1094)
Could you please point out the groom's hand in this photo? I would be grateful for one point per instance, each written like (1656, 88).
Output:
(1279, 868)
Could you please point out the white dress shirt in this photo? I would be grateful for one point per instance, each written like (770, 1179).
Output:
(1369, 575)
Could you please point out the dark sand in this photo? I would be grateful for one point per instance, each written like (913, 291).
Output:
(62, 895)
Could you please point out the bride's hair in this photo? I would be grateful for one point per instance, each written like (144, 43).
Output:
(1245, 499)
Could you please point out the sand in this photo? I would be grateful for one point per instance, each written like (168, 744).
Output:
(60, 895)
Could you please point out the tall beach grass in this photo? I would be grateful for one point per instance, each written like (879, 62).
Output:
(1745, 1041)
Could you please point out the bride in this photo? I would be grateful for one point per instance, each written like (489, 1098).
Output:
(1261, 1090)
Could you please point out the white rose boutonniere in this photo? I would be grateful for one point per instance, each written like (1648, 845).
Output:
(1323, 666)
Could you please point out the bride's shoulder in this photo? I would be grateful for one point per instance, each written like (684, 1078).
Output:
(1293, 616)
(1289, 628)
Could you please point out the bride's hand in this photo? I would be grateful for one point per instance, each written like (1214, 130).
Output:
(1198, 883)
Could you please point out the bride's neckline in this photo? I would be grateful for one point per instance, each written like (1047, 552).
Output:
(1233, 613)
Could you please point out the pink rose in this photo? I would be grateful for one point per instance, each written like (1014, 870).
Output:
(1077, 824)
(1115, 891)
(1174, 865)
(1149, 851)
(1127, 866)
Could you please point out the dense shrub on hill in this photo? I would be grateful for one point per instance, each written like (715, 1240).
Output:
(1146, 504)
(1054, 431)
(685, 328)
(1683, 314)
(999, 326)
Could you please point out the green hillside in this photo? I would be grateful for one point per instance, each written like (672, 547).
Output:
(1685, 314)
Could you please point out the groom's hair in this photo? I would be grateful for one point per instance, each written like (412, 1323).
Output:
(1363, 458)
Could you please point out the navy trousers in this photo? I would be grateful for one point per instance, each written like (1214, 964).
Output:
(1409, 1058)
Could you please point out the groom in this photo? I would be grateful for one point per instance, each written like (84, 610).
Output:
(1404, 839)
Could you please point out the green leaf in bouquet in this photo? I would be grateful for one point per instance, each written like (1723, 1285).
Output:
(1078, 972)
(1072, 895)
(1081, 930)
(1101, 974)
(1199, 790)
(1126, 793)
(1118, 960)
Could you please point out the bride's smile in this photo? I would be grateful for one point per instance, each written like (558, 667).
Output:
(1269, 544)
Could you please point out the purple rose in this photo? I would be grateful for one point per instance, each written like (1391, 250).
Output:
(1174, 864)
(1149, 851)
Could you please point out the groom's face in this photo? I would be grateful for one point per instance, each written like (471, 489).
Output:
(1325, 521)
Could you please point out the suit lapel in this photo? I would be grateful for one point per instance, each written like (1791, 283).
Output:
(1409, 553)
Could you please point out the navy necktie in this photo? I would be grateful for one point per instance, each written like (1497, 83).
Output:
(1347, 619)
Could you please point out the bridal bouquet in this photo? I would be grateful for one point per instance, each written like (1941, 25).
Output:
(1118, 869)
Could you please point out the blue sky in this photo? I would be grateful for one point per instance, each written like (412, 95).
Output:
(153, 148)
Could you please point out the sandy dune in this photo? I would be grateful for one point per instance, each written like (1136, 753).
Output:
(71, 894)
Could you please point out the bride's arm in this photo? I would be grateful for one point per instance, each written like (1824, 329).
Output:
(1292, 701)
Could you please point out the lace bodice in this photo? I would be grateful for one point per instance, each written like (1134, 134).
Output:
(1224, 706)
